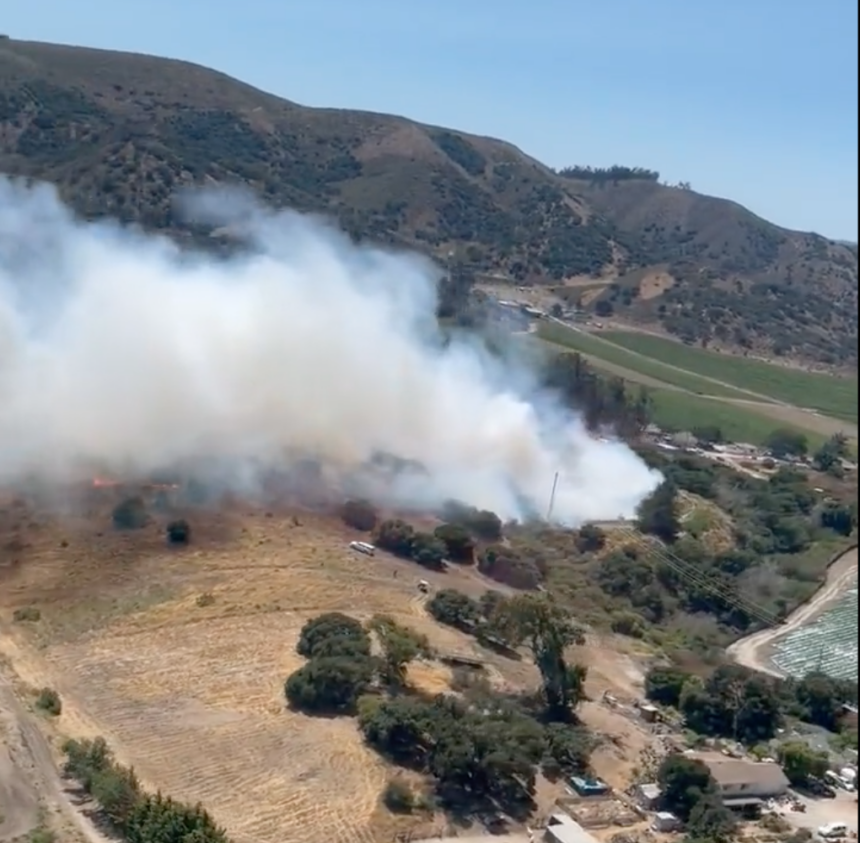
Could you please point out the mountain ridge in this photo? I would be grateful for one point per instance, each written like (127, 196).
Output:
(119, 133)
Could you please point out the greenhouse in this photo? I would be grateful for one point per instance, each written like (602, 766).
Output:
(828, 644)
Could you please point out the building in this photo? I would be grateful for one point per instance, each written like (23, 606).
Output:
(649, 713)
(588, 786)
(746, 784)
(664, 822)
(648, 796)
(560, 828)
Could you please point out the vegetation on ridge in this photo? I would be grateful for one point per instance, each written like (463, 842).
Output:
(120, 133)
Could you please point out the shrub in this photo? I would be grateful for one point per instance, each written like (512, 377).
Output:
(505, 565)
(178, 532)
(484, 524)
(130, 514)
(590, 538)
(48, 700)
(401, 539)
(333, 634)
(628, 623)
(360, 515)
(398, 796)
(664, 685)
(27, 613)
(330, 684)
(459, 545)
(454, 608)
(427, 550)
(395, 536)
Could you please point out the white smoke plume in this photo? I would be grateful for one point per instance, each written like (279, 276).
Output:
(120, 350)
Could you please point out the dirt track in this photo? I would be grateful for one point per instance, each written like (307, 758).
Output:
(754, 650)
(30, 784)
(772, 408)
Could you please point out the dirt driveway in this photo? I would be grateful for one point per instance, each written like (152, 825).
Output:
(31, 789)
(819, 812)
(19, 801)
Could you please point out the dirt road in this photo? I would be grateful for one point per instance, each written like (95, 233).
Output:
(757, 402)
(33, 783)
(754, 650)
(19, 801)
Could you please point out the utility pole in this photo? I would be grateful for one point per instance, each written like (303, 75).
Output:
(552, 497)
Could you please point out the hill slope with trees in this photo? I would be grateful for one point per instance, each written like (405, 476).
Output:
(119, 133)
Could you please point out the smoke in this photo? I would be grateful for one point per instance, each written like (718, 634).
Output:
(120, 350)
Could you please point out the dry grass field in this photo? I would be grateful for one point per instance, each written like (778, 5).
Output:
(178, 658)
(189, 690)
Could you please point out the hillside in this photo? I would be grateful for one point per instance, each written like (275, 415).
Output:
(722, 272)
(119, 133)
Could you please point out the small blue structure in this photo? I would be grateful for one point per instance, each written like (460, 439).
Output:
(588, 787)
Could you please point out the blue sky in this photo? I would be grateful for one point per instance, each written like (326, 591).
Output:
(755, 100)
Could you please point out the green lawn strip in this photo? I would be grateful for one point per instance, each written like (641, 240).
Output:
(675, 410)
(595, 347)
(834, 396)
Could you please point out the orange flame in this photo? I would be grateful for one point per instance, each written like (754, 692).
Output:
(102, 482)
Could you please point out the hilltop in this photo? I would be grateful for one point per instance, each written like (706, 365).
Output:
(118, 133)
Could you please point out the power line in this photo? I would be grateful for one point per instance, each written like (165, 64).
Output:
(687, 572)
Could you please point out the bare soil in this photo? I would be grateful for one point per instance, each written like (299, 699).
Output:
(655, 284)
(19, 801)
(32, 794)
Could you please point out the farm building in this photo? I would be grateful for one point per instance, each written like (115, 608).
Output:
(746, 783)
(665, 822)
(648, 796)
(561, 828)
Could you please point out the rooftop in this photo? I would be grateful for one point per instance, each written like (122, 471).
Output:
(563, 829)
(730, 772)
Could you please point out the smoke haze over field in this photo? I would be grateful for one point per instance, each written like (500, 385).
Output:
(119, 350)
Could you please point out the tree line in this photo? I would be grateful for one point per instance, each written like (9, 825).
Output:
(735, 702)
(615, 173)
(777, 517)
(468, 535)
(603, 402)
(132, 814)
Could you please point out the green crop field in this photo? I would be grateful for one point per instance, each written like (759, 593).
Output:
(828, 644)
(674, 410)
(594, 346)
(831, 395)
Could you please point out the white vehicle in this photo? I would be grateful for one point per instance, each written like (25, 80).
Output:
(423, 586)
(833, 831)
(838, 780)
(363, 547)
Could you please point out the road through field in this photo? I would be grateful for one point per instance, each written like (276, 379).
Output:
(798, 417)
(756, 402)
(36, 763)
(754, 650)
(754, 396)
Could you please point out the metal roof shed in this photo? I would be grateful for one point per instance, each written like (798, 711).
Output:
(561, 828)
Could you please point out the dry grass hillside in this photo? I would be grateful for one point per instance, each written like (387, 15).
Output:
(178, 656)
(119, 133)
(719, 260)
